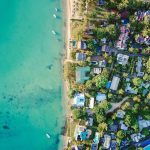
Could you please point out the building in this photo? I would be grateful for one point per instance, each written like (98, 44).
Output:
(98, 60)
(123, 126)
(82, 45)
(80, 57)
(130, 90)
(96, 138)
(81, 74)
(139, 67)
(121, 43)
(79, 100)
(81, 133)
(137, 137)
(122, 59)
(120, 114)
(91, 104)
(115, 83)
(94, 146)
(100, 97)
(89, 121)
(107, 140)
(97, 70)
(143, 124)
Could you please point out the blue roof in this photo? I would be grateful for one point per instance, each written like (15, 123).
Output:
(108, 85)
(84, 135)
(101, 2)
(145, 91)
(125, 21)
(80, 56)
(145, 144)
(98, 49)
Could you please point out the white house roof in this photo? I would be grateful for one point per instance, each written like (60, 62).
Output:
(97, 70)
(144, 124)
(120, 114)
(115, 83)
(91, 105)
(100, 97)
(136, 137)
(79, 100)
(122, 59)
(123, 126)
(107, 139)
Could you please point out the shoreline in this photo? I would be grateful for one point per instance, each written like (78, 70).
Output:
(67, 35)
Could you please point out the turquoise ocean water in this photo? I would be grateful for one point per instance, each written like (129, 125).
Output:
(30, 92)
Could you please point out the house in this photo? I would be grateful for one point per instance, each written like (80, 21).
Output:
(98, 60)
(137, 137)
(130, 90)
(121, 43)
(81, 74)
(94, 146)
(104, 40)
(115, 83)
(91, 105)
(79, 100)
(96, 138)
(81, 133)
(143, 124)
(113, 128)
(105, 48)
(113, 145)
(120, 114)
(123, 126)
(139, 67)
(100, 97)
(89, 121)
(107, 140)
(82, 45)
(124, 14)
(97, 70)
(122, 59)
(80, 57)
(101, 2)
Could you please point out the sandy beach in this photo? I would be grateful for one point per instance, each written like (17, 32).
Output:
(67, 7)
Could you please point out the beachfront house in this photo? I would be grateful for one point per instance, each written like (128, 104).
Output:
(82, 45)
(137, 137)
(115, 83)
(107, 140)
(120, 113)
(91, 104)
(79, 100)
(100, 97)
(122, 59)
(81, 133)
(80, 57)
(81, 74)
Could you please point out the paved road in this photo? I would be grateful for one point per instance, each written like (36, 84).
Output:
(116, 105)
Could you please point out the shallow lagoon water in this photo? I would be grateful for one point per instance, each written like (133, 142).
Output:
(30, 90)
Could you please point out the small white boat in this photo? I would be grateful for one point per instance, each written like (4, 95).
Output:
(54, 16)
(56, 9)
(48, 136)
(53, 32)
